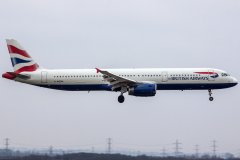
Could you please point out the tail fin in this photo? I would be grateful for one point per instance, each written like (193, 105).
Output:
(21, 60)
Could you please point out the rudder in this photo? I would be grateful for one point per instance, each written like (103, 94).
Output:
(21, 60)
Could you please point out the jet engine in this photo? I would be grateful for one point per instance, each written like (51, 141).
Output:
(143, 90)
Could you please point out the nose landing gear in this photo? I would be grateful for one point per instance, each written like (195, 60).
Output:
(210, 95)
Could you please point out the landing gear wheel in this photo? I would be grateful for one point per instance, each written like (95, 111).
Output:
(211, 98)
(210, 95)
(121, 99)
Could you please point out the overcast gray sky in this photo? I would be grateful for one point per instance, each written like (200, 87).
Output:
(121, 34)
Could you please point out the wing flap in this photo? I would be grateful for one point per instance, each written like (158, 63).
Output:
(115, 80)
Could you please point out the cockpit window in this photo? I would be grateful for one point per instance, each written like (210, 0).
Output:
(225, 74)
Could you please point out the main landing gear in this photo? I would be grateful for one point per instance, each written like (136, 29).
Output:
(210, 95)
(121, 98)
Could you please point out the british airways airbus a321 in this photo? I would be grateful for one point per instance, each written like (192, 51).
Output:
(136, 82)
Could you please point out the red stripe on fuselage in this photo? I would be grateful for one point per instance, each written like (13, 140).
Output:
(15, 50)
(206, 72)
(27, 69)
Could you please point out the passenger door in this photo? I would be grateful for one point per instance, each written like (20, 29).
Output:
(44, 77)
(164, 76)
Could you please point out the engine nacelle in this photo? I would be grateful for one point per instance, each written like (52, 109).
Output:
(143, 90)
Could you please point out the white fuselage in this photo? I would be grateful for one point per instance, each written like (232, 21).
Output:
(164, 78)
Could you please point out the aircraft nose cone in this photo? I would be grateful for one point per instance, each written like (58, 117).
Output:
(235, 81)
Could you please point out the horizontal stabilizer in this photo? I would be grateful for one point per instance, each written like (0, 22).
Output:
(13, 75)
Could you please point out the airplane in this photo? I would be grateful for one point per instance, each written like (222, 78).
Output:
(142, 82)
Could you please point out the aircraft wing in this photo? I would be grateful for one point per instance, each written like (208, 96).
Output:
(115, 80)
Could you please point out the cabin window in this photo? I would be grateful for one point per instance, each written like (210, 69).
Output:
(225, 74)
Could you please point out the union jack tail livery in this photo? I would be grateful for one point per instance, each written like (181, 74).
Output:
(21, 60)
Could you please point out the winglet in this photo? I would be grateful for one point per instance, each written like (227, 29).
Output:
(98, 70)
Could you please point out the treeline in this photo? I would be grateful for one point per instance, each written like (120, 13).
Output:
(92, 156)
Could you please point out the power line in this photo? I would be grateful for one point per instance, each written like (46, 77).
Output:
(177, 148)
(7, 144)
(237, 154)
(214, 148)
(163, 152)
(109, 145)
(50, 150)
(93, 149)
(196, 151)
(138, 153)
